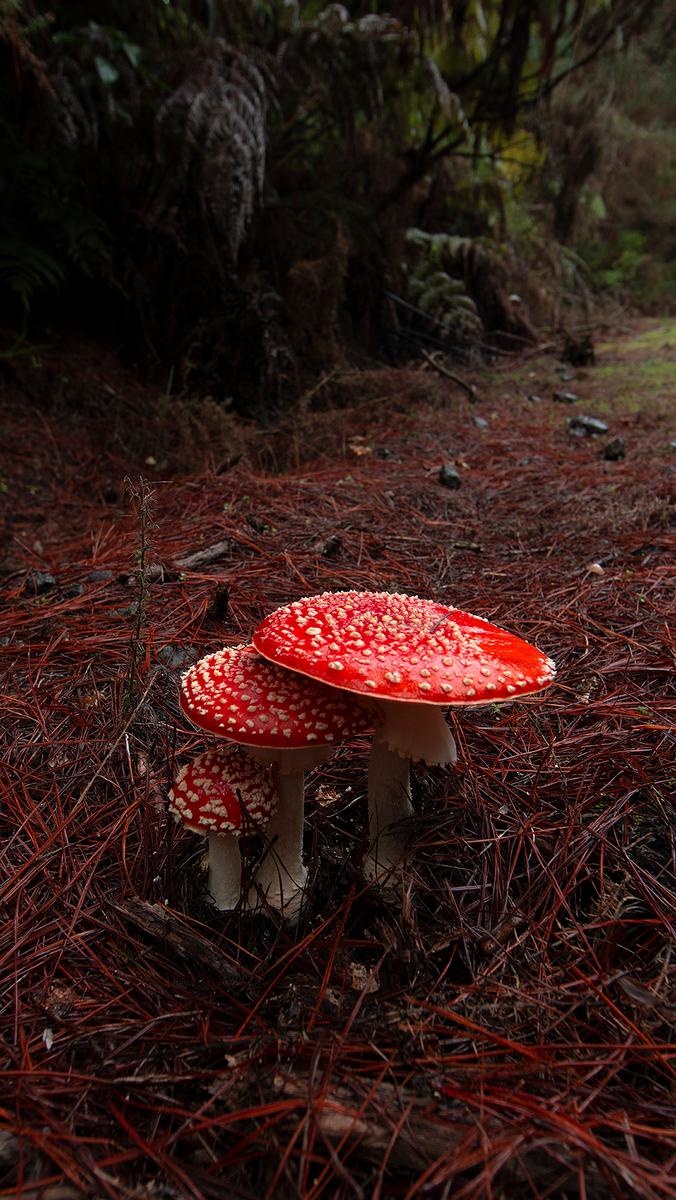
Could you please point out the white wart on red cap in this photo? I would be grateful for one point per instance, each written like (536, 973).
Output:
(397, 647)
(220, 791)
(238, 695)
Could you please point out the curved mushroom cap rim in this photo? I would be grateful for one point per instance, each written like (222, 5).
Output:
(458, 702)
(237, 694)
(342, 640)
(205, 796)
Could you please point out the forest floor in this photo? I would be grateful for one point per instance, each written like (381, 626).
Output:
(497, 1026)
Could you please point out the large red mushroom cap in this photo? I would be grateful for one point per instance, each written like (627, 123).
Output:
(397, 647)
(220, 791)
(237, 694)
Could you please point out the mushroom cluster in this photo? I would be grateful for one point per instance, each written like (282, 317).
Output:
(287, 725)
(411, 657)
(335, 665)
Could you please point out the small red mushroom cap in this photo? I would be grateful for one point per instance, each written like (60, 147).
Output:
(222, 789)
(237, 694)
(396, 647)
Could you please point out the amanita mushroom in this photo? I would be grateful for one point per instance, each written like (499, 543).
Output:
(412, 657)
(282, 719)
(223, 793)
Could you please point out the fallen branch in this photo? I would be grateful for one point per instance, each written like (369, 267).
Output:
(408, 1140)
(468, 388)
(190, 562)
(157, 922)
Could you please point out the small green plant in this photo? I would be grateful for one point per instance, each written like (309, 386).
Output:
(617, 264)
(434, 287)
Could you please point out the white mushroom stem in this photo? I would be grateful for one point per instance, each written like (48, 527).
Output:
(282, 875)
(407, 731)
(389, 803)
(416, 731)
(225, 871)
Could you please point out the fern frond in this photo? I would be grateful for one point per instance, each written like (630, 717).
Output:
(340, 65)
(26, 269)
(211, 140)
(433, 286)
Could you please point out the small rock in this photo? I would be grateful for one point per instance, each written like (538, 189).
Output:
(535, 399)
(480, 422)
(448, 477)
(586, 426)
(565, 397)
(567, 376)
(99, 576)
(130, 611)
(177, 658)
(39, 582)
(614, 451)
(75, 589)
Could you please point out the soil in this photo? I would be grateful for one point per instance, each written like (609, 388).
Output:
(496, 1025)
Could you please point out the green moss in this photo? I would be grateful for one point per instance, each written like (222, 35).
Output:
(629, 385)
(660, 336)
(632, 374)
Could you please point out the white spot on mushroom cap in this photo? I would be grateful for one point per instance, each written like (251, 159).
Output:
(264, 702)
(224, 787)
(404, 642)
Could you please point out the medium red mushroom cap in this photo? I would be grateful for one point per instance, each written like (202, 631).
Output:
(397, 647)
(222, 789)
(237, 694)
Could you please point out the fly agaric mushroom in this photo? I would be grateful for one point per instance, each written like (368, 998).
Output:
(221, 793)
(412, 657)
(282, 719)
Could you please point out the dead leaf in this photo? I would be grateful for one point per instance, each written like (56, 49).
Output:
(325, 796)
(363, 980)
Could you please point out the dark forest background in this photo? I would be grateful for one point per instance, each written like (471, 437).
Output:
(243, 193)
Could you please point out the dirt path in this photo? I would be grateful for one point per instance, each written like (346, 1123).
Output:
(497, 1027)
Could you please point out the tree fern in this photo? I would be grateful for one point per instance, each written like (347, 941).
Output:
(433, 286)
(45, 231)
(27, 269)
(211, 145)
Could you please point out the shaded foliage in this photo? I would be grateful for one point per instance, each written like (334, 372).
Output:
(230, 185)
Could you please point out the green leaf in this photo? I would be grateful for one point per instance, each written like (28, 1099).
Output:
(597, 206)
(133, 52)
(105, 70)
